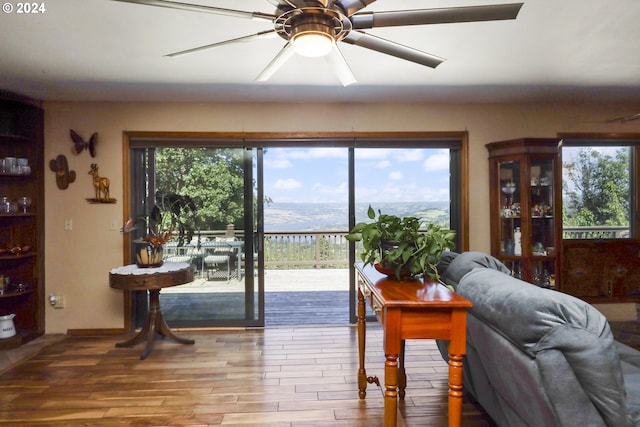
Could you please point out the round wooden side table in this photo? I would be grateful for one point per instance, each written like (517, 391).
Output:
(133, 278)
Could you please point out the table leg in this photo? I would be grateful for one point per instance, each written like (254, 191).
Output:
(392, 347)
(457, 349)
(139, 337)
(455, 390)
(390, 390)
(362, 330)
(154, 325)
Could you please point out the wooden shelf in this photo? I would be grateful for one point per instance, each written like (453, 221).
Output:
(16, 175)
(16, 294)
(15, 138)
(22, 136)
(17, 215)
(17, 256)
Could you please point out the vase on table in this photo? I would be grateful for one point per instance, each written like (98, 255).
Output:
(149, 256)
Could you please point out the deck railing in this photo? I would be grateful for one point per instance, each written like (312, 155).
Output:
(301, 249)
(596, 232)
(330, 249)
(322, 249)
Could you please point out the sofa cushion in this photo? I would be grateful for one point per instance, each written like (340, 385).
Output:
(630, 360)
(467, 261)
(445, 260)
(538, 320)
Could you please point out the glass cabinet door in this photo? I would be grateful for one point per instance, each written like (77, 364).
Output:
(510, 215)
(542, 222)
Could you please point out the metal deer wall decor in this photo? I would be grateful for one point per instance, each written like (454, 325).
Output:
(100, 186)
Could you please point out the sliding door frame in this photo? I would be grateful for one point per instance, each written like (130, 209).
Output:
(260, 140)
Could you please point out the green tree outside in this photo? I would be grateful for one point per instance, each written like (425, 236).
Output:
(212, 177)
(596, 189)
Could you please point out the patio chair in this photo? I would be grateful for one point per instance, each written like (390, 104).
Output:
(214, 254)
(169, 250)
(174, 253)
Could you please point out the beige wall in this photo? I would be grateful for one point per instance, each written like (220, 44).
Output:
(78, 261)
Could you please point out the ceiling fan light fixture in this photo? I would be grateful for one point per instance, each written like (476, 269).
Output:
(312, 37)
(312, 44)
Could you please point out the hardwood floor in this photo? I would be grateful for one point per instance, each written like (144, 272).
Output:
(272, 377)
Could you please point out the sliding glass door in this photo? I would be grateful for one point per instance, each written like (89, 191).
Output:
(306, 217)
(219, 182)
(404, 182)
(306, 192)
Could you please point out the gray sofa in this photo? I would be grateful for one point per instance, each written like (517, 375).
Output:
(537, 357)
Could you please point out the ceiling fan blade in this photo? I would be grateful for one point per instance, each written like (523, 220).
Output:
(277, 3)
(342, 69)
(285, 53)
(206, 9)
(252, 37)
(381, 45)
(436, 16)
(624, 119)
(352, 6)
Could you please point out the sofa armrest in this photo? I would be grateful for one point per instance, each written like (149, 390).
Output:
(539, 320)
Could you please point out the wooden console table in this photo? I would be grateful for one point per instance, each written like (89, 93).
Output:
(411, 309)
(133, 278)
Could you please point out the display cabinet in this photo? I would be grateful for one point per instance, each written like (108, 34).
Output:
(526, 214)
(21, 217)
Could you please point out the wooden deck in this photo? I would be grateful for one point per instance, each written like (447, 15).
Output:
(292, 297)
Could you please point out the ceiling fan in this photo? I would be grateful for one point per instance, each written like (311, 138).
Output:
(313, 28)
(624, 119)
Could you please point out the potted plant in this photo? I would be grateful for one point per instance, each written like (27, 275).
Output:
(172, 216)
(396, 246)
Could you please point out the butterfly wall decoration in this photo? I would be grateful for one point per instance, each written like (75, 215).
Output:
(80, 144)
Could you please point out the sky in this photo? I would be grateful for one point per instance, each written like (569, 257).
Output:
(314, 175)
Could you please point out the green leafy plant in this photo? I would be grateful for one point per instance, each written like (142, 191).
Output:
(172, 215)
(399, 244)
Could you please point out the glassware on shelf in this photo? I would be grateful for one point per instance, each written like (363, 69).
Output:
(5, 204)
(8, 164)
(509, 188)
(24, 203)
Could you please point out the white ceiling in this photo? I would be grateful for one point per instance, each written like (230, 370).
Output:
(104, 50)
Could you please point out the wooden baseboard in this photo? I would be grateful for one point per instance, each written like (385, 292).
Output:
(96, 332)
(11, 342)
(610, 300)
(621, 312)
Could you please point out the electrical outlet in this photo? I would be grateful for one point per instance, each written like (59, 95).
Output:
(59, 302)
(56, 301)
(68, 224)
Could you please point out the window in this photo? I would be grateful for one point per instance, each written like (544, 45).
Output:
(597, 188)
